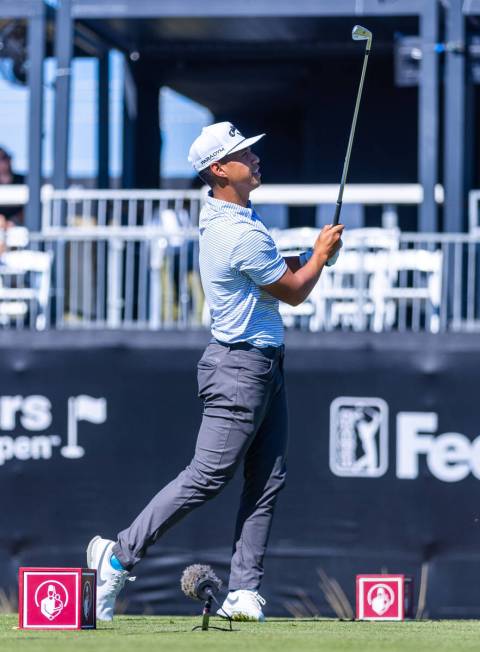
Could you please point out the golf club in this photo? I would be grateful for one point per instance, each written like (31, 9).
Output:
(359, 33)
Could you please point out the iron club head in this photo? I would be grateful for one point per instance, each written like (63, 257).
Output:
(360, 33)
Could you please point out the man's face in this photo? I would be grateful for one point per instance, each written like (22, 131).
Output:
(242, 169)
(5, 164)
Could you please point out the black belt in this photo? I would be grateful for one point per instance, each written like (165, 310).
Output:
(271, 352)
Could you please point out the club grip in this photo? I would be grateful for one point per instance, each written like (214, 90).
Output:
(336, 217)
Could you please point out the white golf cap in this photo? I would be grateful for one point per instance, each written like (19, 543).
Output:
(215, 142)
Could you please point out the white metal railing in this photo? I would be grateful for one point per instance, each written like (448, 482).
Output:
(14, 195)
(77, 206)
(474, 212)
(171, 209)
(142, 278)
(123, 277)
(355, 193)
(129, 259)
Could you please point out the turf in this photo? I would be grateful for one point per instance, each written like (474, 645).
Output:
(166, 634)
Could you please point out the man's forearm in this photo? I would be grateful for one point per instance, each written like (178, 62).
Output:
(307, 277)
(294, 287)
(302, 273)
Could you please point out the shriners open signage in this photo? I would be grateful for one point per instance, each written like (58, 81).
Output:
(359, 443)
(34, 414)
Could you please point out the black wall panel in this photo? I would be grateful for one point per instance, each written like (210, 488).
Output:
(384, 465)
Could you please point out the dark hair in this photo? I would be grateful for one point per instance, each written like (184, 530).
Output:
(5, 154)
(208, 177)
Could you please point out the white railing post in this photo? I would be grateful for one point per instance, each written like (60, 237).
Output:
(157, 255)
(114, 283)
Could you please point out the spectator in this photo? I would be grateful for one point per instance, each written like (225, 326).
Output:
(9, 215)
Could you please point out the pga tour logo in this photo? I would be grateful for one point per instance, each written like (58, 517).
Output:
(358, 437)
(359, 443)
(35, 414)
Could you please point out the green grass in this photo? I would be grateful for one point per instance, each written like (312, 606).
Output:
(166, 634)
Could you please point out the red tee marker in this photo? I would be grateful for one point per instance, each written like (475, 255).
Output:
(384, 597)
(57, 598)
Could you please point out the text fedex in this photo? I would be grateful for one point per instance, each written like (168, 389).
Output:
(450, 456)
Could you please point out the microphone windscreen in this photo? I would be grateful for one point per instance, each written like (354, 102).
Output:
(193, 575)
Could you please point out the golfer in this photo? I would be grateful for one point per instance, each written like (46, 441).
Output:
(240, 377)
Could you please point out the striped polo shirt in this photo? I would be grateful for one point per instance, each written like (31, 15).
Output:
(237, 256)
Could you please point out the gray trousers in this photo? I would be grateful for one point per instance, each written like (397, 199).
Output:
(244, 419)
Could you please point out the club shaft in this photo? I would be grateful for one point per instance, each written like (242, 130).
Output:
(338, 207)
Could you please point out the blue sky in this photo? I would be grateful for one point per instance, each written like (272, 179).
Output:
(181, 121)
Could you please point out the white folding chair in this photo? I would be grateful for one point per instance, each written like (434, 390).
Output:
(16, 301)
(17, 237)
(372, 239)
(413, 277)
(344, 294)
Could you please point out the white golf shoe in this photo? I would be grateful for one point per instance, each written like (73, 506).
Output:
(109, 581)
(243, 605)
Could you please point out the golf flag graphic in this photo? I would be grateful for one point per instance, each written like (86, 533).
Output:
(90, 409)
(82, 408)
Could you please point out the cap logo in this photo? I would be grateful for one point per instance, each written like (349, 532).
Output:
(232, 132)
(212, 155)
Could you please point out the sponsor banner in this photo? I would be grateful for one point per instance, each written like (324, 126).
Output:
(383, 469)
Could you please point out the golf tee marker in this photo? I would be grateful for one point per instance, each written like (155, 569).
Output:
(384, 597)
(56, 598)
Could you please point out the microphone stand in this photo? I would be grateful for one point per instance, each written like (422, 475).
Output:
(206, 613)
(207, 608)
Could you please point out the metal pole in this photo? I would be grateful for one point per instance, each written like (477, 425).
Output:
(454, 103)
(428, 117)
(63, 54)
(36, 55)
(103, 126)
(130, 110)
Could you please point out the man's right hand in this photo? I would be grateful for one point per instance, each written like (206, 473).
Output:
(328, 242)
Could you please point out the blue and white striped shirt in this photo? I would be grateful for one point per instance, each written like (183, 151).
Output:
(237, 256)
